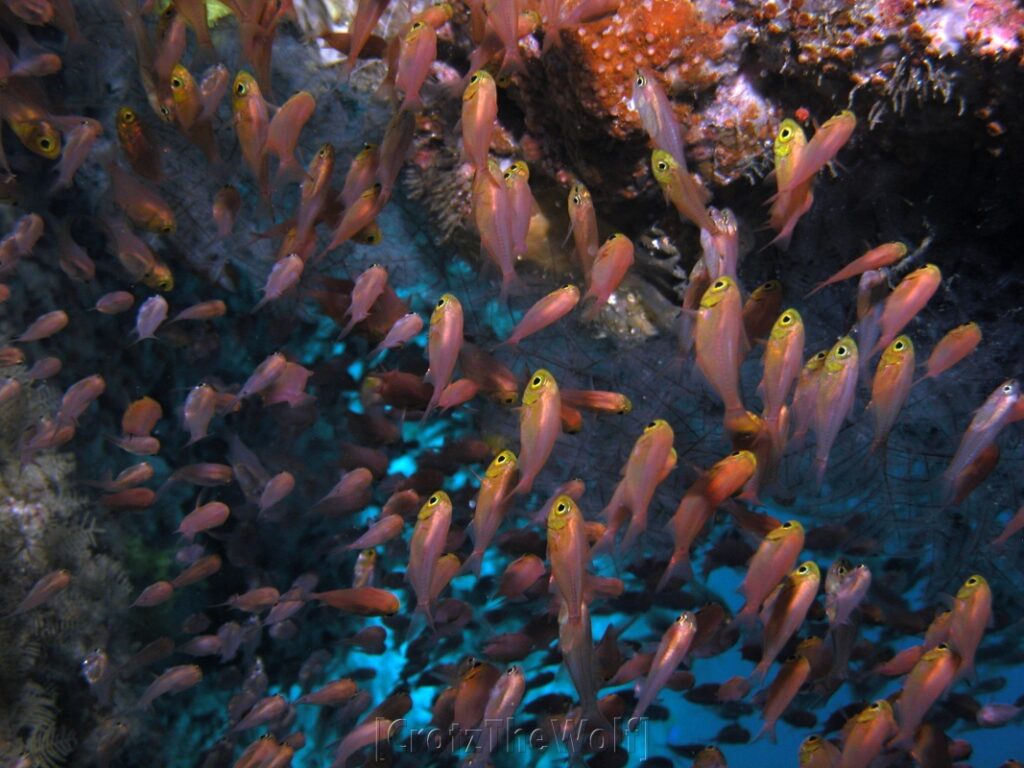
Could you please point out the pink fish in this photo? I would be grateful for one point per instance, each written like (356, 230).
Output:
(172, 680)
(78, 397)
(837, 387)
(361, 174)
(44, 326)
(444, 341)
(521, 205)
(882, 256)
(212, 88)
(381, 532)
(821, 149)
(204, 310)
(369, 285)
(479, 112)
(211, 515)
(548, 310)
(394, 148)
(42, 591)
(672, 649)
(151, 315)
(226, 204)
(276, 490)
(365, 18)
(720, 342)
(540, 424)
(656, 115)
(425, 548)
(891, 387)
(283, 135)
(503, 19)
(987, 422)
(265, 374)
(289, 387)
(72, 258)
(492, 213)
(492, 503)
(905, 302)
(79, 141)
(583, 224)
(284, 275)
(115, 302)
(613, 261)
(157, 593)
(404, 329)
(198, 411)
(952, 348)
(419, 50)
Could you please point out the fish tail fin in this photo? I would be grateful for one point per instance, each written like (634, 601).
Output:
(473, 563)
(815, 289)
(679, 562)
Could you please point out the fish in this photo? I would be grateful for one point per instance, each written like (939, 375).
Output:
(682, 189)
(672, 649)
(650, 461)
(782, 363)
(491, 505)
(252, 123)
(172, 680)
(369, 285)
(867, 735)
(283, 134)
(972, 611)
(927, 682)
(720, 342)
(650, 102)
(394, 148)
(204, 310)
(792, 200)
(781, 692)
(503, 19)
(784, 610)
(539, 426)
(418, 52)
(80, 140)
(546, 311)
(361, 174)
(987, 422)
(503, 700)
(805, 396)
(137, 145)
(43, 327)
(611, 265)
(583, 225)
(44, 590)
(492, 213)
(905, 302)
(957, 344)
(131, 252)
(226, 204)
(157, 593)
(521, 204)
(185, 95)
(212, 88)
(404, 329)
(144, 207)
(364, 20)
(775, 557)
(821, 149)
(275, 490)
(381, 532)
(845, 589)
(837, 387)
(333, 694)
(151, 315)
(818, 752)
(890, 387)
(724, 479)
(357, 217)
(576, 643)
(204, 517)
(284, 275)
(444, 341)
(479, 112)
(761, 309)
(881, 256)
(314, 190)
(426, 547)
(567, 553)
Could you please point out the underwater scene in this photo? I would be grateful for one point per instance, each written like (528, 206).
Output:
(511, 383)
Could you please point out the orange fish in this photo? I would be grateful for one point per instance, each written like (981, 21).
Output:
(426, 547)
(479, 111)
(720, 342)
(882, 256)
(837, 387)
(905, 302)
(583, 223)
(891, 387)
(952, 348)
(608, 270)
(539, 425)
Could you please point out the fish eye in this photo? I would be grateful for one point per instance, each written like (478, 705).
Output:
(501, 458)
(1007, 389)
(787, 525)
(652, 425)
(898, 346)
(165, 111)
(577, 200)
(167, 229)
(641, 81)
(561, 508)
(972, 581)
(786, 319)
(45, 144)
(417, 25)
(813, 739)
(434, 500)
(537, 381)
(440, 302)
(176, 82)
(802, 569)
(241, 89)
(128, 117)
(842, 351)
(771, 285)
(719, 285)
(322, 152)
(785, 133)
(821, 355)
(662, 165)
(875, 705)
(942, 647)
(475, 78)
(841, 570)
(509, 399)
(510, 671)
